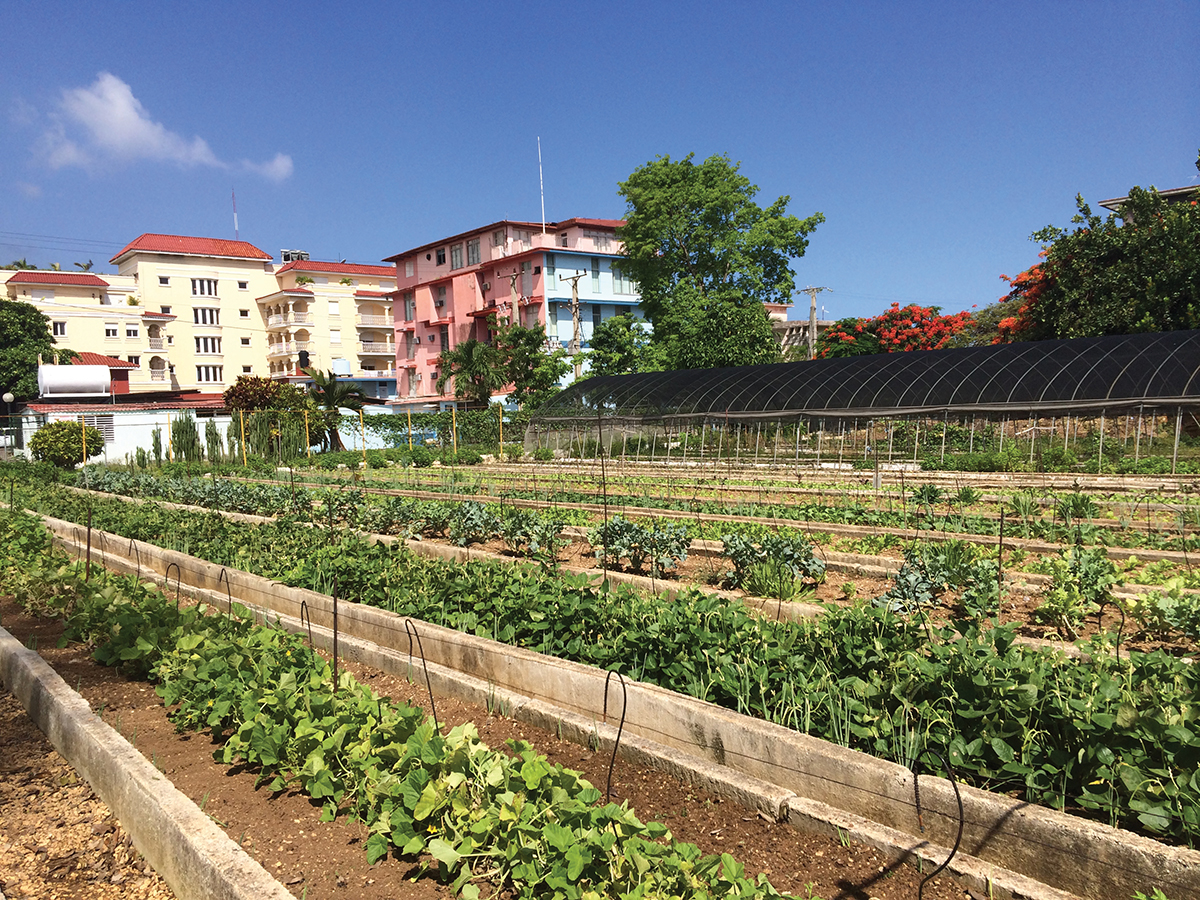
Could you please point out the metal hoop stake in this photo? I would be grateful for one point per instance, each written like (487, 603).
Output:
(224, 576)
(178, 579)
(88, 571)
(137, 555)
(620, 728)
(921, 820)
(306, 618)
(411, 630)
(335, 633)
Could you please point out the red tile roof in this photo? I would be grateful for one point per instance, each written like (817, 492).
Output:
(591, 223)
(372, 293)
(524, 226)
(88, 279)
(191, 246)
(157, 315)
(337, 268)
(194, 401)
(86, 358)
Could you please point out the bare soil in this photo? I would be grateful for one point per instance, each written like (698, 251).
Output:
(322, 860)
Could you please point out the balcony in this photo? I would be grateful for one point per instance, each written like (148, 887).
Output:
(377, 373)
(287, 348)
(375, 348)
(295, 318)
(158, 374)
(157, 343)
(377, 321)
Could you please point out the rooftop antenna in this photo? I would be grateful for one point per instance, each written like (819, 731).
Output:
(235, 225)
(541, 184)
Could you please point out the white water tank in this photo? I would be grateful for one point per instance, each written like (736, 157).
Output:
(73, 381)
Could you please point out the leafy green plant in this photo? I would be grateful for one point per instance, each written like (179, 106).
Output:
(1082, 579)
(663, 544)
(786, 552)
(472, 523)
(543, 454)
(63, 443)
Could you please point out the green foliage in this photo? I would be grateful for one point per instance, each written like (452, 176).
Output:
(774, 553)
(543, 454)
(24, 333)
(1105, 277)
(62, 443)
(212, 441)
(477, 368)
(1113, 737)
(663, 544)
(1082, 581)
(706, 257)
(331, 396)
(185, 438)
(1173, 610)
(621, 345)
(472, 523)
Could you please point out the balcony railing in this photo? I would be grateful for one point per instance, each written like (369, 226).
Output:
(158, 374)
(377, 373)
(157, 343)
(375, 347)
(384, 321)
(287, 348)
(295, 318)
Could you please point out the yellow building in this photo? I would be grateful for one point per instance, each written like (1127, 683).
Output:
(202, 292)
(340, 316)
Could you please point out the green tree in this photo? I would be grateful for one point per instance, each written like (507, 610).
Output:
(706, 257)
(1130, 272)
(24, 333)
(622, 345)
(332, 396)
(476, 368)
(515, 355)
(62, 443)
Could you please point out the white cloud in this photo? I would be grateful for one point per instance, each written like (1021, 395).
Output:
(278, 169)
(29, 190)
(105, 123)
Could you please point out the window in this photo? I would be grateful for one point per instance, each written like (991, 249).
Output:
(206, 374)
(526, 279)
(246, 370)
(408, 268)
(58, 329)
(597, 316)
(456, 256)
(531, 317)
(552, 312)
(473, 252)
(208, 344)
(410, 306)
(549, 279)
(333, 308)
(110, 329)
(244, 313)
(595, 274)
(335, 336)
(136, 360)
(562, 239)
(444, 337)
(243, 285)
(245, 342)
(131, 330)
(622, 284)
(103, 424)
(498, 237)
(170, 340)
(204, 287)
(439, 300)
(441, 256)
(165, 310)
(206, 315)
(600, 241)
(164, 281)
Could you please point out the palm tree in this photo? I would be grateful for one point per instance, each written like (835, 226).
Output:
(477, 369)
(84, 267)
(333, 396)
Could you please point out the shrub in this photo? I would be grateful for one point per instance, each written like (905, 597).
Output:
(469, 457)
(514, 452)
(543, 454)
(62, 443)
(422, 457)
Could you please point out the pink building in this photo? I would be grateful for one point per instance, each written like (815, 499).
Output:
(519, 271)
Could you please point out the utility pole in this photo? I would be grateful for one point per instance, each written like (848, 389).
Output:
(812, 317)
(574, 279)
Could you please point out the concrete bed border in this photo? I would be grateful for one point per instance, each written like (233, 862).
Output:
(192, 854)
(812, 783)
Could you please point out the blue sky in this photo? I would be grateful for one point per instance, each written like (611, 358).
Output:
(934, 137)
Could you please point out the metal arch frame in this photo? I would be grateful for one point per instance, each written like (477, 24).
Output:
(1032, 377)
